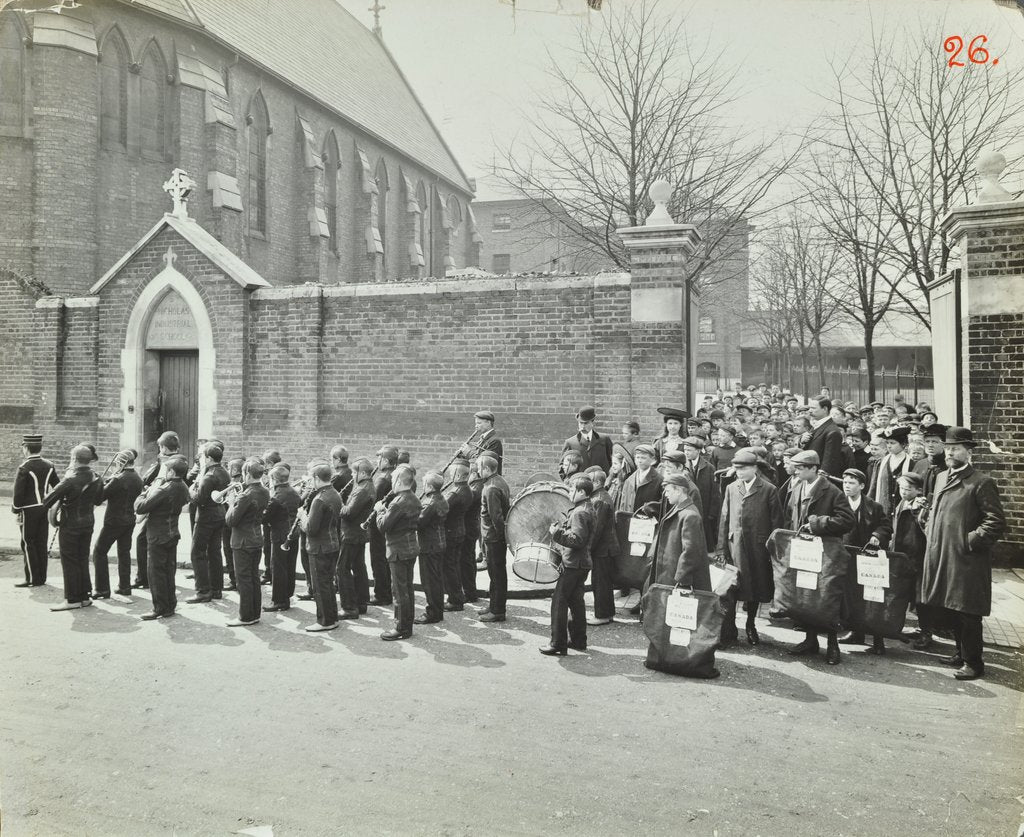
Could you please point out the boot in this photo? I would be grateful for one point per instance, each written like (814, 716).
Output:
(832, 654)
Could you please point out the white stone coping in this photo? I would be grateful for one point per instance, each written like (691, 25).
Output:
(81, 302)
(435, 287)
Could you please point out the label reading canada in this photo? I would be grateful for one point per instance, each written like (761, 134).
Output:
(806, 581)
(806, 554)
(874, 594)
(679, 636)
(873, 571)
(641, 529)
(681, 612)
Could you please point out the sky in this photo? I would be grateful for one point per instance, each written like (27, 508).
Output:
(477, 64)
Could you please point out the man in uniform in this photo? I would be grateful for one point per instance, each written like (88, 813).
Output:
(965, 521)
(459, 498)
(398, 519)
(78, 494)
(163, 502)
(594, 448)
(431, 536)
(207, 533)
(321, 528)
(487, 442)
(279, 515)
(36, 476)
(494, 505)
(387, 459)
(118, 524)
(357, 506)
(270, 459)
(168, 445)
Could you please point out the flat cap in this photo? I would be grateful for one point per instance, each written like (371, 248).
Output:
(695, 442)
(486, 415)
(744, 456)
(645, 448)
(676, 456)
(805, 457)
(857, 474)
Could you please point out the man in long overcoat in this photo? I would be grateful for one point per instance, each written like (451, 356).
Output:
(965, 521)
(681, 557)
(751, 511)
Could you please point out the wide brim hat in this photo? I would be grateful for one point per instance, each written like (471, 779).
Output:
(897, 434)
(674, 412)
(960, 436)
(627, 455)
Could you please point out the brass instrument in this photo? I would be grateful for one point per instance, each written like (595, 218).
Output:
(119, 461)
(226, 495)
(301, 514)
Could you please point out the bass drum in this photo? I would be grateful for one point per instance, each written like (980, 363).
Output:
(532, 511)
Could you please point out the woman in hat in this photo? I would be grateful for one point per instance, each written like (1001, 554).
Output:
(884, 488)
(671, 437)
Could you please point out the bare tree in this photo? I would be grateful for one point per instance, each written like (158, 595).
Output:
(913, 128)
(631, 103)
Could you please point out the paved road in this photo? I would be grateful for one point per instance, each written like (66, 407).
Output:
(112, 726)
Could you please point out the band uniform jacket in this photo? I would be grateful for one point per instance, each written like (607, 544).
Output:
(639, 490)
(36, 477)
(595, 451)
(430, 529)
(214, 478)
(574, 537)
(163, 504)
(476, 490)
(747, 521)
(870, 521)
(459, 498)
(279, 515)
(494, 505)
(929, 468)
(490, 444)
(827, 441)
(965, 521)
(120, 493)
(341, 478)
(399, 522)
(355, 510)
(78, 495)
(322, 523)
(245, 517)
(606, 541)
(381, 488)
(681, 555)
(823, 508)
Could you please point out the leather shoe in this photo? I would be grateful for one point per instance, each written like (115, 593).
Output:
(955, 660)
(348, 614)
(392, 635)
(273, 608)
(777, 614)
(231, 588)
(551, 651)
(832, 654)
(968, 672)
(362, 609)
(596, 621)
(217, 596)
(381, 602)
(138, 585)
(121, 592)
(877, 647)
(752, 636)
(423, 620)
(582, 647)
(148, 617)
(100, 595)
(493, 617)
(808, 646)
(852, 638)
(305, 597)
(67, 606)
(199, 600)
(318, 628)
(452, 607)
(23, 584)
(238, 623)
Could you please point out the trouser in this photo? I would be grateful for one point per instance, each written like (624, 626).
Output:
(967, 633)
(604, 586)
(324, 566)
(192, 508)
(467, 568)
(206, 558)
(348, 590)
(452, 572)
(380, 566)
(362, 580)
(306, 567)
(566, 602)
(142, 558)
(161, 562)
(711, 534)
(729, 620)
(268, 553)
(401, 576)
(229, 561)
(497, 570)
(928, 616)
(111, 533)
(35, 530)
(432, 579)
(282, 587)
(74, 562)
(247, 577)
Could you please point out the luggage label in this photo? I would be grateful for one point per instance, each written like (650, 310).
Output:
(806, 554)
(873, 570)
(641, 530)
(681, 612)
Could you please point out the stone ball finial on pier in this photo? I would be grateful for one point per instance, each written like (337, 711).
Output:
(990, 166)
(660, 192)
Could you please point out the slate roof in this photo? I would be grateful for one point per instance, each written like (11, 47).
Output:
(318, 47)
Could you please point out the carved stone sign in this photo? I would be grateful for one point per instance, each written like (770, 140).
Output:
(172, 325)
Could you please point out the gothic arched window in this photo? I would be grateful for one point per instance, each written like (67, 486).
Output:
(114, 57)
(423, 233)
(12, 76)
(258, 133)
(331, 160)
(153, 102)
(381, 179)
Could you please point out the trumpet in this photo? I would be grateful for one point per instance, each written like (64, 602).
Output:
(225, 496)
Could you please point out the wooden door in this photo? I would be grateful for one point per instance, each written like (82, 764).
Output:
(179, 398)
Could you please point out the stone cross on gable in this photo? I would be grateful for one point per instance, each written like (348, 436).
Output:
(179, 186)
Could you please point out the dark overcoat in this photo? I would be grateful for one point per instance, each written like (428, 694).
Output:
(827, 441)
(681, 556)
(598, 451)
(965, 521)
(746, 523)
(870, 520)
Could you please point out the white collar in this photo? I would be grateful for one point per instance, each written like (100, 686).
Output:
(855, 504)
(819, 422)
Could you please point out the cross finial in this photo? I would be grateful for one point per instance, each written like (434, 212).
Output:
(377, 8)
(179, 186)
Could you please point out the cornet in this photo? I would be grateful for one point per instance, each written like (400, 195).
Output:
(225, 495)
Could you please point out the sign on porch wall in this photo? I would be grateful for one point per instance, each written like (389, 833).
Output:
(172, 325)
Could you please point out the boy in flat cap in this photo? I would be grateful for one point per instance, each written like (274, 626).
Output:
(594, 448)
(486, 442)
(36, 476)
(934, 462)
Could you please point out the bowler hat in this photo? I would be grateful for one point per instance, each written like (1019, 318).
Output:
(744, 456)
(960, 436)
(805, 457)
(486, 415)
(717, 414)
(586, 414)
(673, 412)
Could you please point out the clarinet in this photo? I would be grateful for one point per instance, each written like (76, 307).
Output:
(307, 503)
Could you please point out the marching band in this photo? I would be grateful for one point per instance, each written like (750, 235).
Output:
(752, 487)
